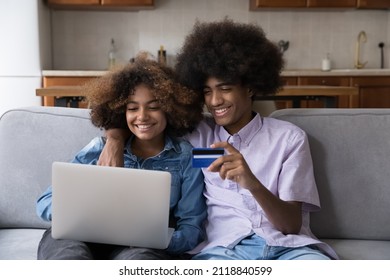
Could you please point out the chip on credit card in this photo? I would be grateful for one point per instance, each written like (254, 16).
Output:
(203, 157)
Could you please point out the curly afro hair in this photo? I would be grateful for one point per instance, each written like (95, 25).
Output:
(233, 52)
(108, 96)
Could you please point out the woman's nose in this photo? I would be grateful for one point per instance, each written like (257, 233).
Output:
(143, 114)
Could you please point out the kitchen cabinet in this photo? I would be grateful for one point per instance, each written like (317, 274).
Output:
(290, 81)
(101, 4)
(373, 4)
(331, 3)
(337, 81)
(324, 81)
(277, 4)
(73, 2)
(361, 4)
(52, 82)
(282, 104)
(316, 92)
(127, 2)
(374, 92)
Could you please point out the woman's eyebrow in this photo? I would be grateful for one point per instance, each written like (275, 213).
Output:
(149, 102)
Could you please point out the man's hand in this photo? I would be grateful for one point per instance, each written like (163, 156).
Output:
(284, 215)
(233, 167)
(112, 154)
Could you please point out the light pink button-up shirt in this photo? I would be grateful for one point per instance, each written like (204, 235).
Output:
(279, 156)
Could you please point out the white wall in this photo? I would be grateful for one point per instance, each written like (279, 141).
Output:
(81, 38)
(24, 51)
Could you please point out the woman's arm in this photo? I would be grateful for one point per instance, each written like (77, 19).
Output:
(190, 212)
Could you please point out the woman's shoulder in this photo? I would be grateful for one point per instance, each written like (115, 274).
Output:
(183, 144)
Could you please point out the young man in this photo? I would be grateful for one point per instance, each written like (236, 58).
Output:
(261, 192)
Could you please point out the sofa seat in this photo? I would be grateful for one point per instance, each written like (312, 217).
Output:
(19, 244)
(351, 249)
(350, 149)
(31, 139)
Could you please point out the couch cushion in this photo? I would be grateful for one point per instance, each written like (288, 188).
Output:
(360, 249)
(19, 244)
(351, 157)
(30, 140)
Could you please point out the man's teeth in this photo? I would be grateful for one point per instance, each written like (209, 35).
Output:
(144, 126)
(221, 111)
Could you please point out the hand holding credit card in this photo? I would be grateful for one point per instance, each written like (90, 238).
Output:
(203, 157)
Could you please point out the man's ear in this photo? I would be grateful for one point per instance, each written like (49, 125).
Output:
(250, 92)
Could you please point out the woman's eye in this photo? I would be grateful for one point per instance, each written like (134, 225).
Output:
(131, 109)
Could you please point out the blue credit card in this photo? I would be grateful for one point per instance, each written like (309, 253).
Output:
(203, 157)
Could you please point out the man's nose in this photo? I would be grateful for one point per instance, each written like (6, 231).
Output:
(216, 98)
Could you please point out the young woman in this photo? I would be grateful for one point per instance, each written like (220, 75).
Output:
(145, 98)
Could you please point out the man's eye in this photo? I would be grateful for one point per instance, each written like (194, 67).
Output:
(226, 88)
(206, 92)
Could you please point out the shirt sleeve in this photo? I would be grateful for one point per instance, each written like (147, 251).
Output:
(88, 155)
(296, 180)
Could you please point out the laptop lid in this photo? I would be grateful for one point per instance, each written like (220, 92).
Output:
(111, 205)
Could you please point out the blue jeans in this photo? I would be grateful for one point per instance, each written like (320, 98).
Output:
(254, 248)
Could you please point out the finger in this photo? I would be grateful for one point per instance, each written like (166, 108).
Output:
(216, 165)
(222, 160)
(228, 147)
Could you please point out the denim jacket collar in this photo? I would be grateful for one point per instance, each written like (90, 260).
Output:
(169, 145)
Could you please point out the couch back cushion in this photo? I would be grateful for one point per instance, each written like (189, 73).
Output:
(351, 156)
(30, 140)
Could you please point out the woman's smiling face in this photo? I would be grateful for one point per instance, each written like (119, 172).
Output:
(144, 116)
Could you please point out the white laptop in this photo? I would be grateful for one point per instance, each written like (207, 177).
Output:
(111, 205)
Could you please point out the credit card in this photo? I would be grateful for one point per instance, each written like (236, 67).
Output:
(203, 157)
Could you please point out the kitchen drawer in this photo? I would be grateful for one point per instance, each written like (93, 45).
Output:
(324, 81)
(64, 81)
(370, 81)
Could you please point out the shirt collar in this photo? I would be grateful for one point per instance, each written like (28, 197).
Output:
(169, 144)
(246, 133)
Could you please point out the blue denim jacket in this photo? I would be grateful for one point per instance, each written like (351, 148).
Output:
(187, 205)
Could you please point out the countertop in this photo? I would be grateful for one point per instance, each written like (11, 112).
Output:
(286, 73)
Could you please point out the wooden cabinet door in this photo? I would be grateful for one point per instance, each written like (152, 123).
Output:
(374, 92)
(73, 2)
(126, 3)
(374, 97)
(277, 3)
(331, 3)
(373, 4)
